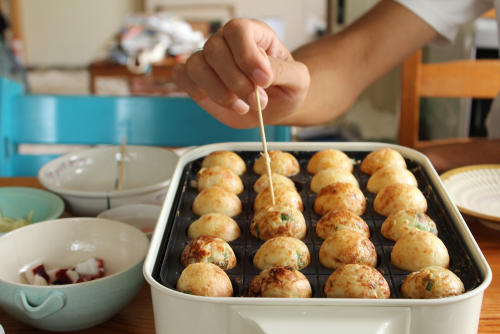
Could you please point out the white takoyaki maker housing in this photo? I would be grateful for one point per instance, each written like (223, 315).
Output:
(176, 312)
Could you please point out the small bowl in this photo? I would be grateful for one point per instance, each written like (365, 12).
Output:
(88, 179)
(63, 243)
(18, 202)
(142, 216)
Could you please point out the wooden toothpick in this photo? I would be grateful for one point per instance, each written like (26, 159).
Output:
(122, 163)
(264, 145)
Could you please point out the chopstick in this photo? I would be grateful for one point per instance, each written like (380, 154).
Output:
(122, 163)
(264, 145)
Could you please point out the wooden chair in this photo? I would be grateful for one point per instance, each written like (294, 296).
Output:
(93, 120)
(462, 78)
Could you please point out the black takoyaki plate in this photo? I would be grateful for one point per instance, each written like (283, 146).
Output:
(168, 266)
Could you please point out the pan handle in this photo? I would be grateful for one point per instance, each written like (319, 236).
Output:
(319, 319)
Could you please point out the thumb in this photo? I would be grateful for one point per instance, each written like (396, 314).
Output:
(290, 75)
(290, 78)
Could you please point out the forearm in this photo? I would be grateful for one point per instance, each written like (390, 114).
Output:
(343, 65)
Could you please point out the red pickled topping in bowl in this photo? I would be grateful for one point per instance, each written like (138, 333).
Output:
(86, 271)
(40, 270)
(65, 276)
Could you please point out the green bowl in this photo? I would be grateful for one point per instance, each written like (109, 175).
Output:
(18, 202)
(61, 243)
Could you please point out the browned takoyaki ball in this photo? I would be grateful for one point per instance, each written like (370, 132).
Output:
(262, 182)
(346, 246)
(225, 159)
(281, 162)
(278, 220)
(329, 158)
(283, 195)
(432, 282)
(403, 221)
(280, 282)
(215, 224)
(336, 220)
(339, 196)
(209, 249)
(217, 199)
(221, 177)
(357, 281)
(418, 249)
(389, 175)
(331, 175)
(205, 279)
(282, 251)
(381, 158)
(399, 196)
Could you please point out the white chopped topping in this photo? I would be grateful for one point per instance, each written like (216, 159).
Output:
(89, 267)
(72, 275)
(39, 280)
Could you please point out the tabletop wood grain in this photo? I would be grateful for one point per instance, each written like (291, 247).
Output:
(137, 317)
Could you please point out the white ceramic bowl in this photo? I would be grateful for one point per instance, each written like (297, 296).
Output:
(142, 216)
(87, 179)
(63, 243)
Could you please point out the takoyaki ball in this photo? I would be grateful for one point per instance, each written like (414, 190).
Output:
(340, 195)
(262, 182)
(346, 246)
(225, 159)
(215, 224)
(329, 158)
(399, 196)
(357, 281)
(283, 195)
(282, 251)
(221, 177)
(209, 249)
(217, 199)
(418, 249)
(205, 279)
(403, 221)
(389, 175)
(331, 175)
(381, 158)
(432, 282)
(336, 220)
(280, 282)
(278, 220)
(281, 163)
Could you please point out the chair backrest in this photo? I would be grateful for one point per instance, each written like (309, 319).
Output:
(93, 120)
(462, 78)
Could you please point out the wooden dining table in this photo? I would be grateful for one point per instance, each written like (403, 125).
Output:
(137, 317)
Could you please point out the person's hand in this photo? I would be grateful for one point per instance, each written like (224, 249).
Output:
(222, 77)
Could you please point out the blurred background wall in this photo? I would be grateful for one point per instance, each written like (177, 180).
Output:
(70, 33)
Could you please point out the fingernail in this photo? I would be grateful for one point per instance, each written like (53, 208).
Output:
(240, 107)
(260, 78)
(262, 97)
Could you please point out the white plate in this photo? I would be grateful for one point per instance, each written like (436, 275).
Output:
(476, 191)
